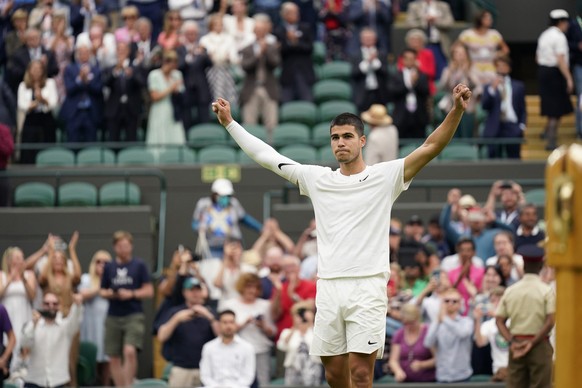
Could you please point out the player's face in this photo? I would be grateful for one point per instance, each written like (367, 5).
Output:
(346, 144)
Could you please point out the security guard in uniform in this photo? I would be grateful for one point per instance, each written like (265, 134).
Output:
(530, 305)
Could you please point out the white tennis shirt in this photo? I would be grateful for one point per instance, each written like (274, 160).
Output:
(352, 212)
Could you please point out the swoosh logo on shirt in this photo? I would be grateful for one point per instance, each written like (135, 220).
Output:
(361, 180)
(372, 343)
(284, 164)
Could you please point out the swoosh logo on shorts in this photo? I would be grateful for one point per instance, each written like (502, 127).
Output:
(284, 164)
(372, 343)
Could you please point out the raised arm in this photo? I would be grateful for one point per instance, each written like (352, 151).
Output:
(255, 148)
(438, 140)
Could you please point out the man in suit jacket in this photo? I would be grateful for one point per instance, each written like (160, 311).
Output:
(82, 110)
(19, 61)
(193, 61)
(369, 72)
(297, 73)
(260, 92)
(504, 100)
(410, 92)
(123, 107)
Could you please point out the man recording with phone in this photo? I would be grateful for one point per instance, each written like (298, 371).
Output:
(47, 340)
(186, 329)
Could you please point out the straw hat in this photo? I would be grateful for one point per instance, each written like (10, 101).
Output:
(377, 115)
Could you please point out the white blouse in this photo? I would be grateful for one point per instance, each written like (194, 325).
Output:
(551, 43)
(49, 93)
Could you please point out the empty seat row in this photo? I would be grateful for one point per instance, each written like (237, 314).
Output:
(39, 194)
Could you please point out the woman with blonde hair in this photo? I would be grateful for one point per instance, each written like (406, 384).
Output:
(460, 70)
(410, 360)
(128, 32)
(37, 98)
(17, 292)
(254, 322)
(169, 38)
(95, 311)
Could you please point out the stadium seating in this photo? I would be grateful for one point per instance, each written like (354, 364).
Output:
(536, 196)
(459, 152)
(320, 134)
(217, 154)
(178, 155)
(92, 156)
(291, 133)
(330, 109)
(341, 70)
(303, 112)
(300, 153)
(326, 156)
(77, 194)
(34, 194)
(55, 157)
(331, 89)
(202, 135)
(135, 156)
(119, 193)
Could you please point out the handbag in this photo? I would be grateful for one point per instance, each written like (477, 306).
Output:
(177, 105)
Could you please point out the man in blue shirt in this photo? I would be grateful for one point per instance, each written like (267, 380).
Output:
(126, 281)
(186, 329)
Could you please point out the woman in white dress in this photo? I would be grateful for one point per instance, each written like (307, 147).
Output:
(17, 291)
(163, 128)
(95, 312)
(221, 49)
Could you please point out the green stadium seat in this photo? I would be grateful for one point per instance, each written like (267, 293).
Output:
(319, 53)
(55, 157)
(330, 109)
(320, 134)
(300, 153)
(178, 155)
(303, 112)
(95, 156)
(216, 155)
(459, 152)
(257, 130)
(536, 196)
(135, 156)
(150, 383)
(480, 378)
(331, 89)
(87, 353)
(326, 156)
(202, 135)
(34, 194)
(119, 193)
(77, 194)
(291, 133)
(340, 70)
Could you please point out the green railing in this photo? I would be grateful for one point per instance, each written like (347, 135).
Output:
(126, 174)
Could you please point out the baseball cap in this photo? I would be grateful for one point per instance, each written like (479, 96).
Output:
(190, 283)
(222, 186)
(415, 220)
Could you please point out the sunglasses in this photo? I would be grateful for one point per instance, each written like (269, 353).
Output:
(452, 301)
(51, 303)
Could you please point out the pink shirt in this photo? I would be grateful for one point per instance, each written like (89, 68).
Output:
(475, 275)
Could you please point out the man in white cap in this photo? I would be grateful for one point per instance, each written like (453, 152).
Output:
(218, 217)
(554, 78)
(382, 143)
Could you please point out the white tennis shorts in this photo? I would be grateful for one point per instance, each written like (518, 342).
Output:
(351, 316)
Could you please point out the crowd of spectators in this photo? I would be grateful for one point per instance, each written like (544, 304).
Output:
(245, 316)
(84, 72)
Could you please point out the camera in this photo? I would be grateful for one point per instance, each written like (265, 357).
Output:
(259, 317)
(301, 312)
(47, 314)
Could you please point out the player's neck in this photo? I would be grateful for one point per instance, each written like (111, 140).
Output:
(353, 167)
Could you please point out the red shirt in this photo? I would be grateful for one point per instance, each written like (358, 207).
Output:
(305, 290)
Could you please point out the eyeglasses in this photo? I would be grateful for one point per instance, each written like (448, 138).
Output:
(451, 301)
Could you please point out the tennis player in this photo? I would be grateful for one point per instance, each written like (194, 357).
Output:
(352, 208)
